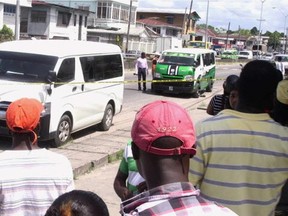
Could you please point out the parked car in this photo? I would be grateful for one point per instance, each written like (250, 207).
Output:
(267, 56)
(132, 54)
(281, 63)
(245, 54)
(229, 54)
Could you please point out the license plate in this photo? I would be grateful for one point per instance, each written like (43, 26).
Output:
(170, 88)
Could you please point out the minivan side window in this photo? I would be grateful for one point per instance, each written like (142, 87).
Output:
(66, 72)
(96, 68)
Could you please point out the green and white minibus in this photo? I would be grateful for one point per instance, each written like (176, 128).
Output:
(185, 70)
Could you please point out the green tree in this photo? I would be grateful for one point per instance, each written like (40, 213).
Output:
(274, 40)
(254, 31)
(6, 34)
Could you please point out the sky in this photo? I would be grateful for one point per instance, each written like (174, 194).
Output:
(243, 13)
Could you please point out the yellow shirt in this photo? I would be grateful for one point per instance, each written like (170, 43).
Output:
(241, 161)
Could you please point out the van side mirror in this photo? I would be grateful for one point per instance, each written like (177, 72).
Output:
(51, 77)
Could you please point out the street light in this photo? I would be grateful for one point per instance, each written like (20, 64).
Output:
(285, 30)
(259, 37)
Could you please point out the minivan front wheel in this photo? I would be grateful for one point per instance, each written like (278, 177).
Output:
(107, 120)
(63, 133)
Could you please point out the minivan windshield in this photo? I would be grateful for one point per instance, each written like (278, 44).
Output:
(177, 58)
(23, 67)
(243, 53)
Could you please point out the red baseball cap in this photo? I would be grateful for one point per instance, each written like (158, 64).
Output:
(23, 116)
(162, 119)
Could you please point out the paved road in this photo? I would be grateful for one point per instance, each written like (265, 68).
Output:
(100, 181)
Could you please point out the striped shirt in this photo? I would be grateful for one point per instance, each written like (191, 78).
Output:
(175, 199)
(31, 180)
(128, 166)
(241, 161)
(218, 103)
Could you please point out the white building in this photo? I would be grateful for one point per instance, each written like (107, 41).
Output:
(52, 21)
(8, 12)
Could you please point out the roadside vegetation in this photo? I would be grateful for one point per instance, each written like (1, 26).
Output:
(6, 34)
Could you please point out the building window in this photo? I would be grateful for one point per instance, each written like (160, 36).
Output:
(116, 10)
(63, 18)
(104, 10)
(170, 19)
(157, 30)
(124, 13)
(9, 8)
(38, 16)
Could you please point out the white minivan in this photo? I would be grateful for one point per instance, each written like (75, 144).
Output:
(80, 83)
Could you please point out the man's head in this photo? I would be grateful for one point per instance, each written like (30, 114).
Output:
(230, 83)
(143, 55)
(78, 202)
(23, 115)
(162, 134)
(257, 85)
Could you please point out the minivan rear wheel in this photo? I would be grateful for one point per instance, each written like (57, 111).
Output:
(107, 120)
(63, 133)
(209, 86)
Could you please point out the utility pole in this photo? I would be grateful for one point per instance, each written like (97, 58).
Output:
(189, 16)
(238, 34)
(259, 37)
(128, 29)
(17, 20)
(227, 35)
(206, 29)
(285, 41)
(183, 26)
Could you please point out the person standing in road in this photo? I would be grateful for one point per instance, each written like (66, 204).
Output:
(242, 154)
(142, 68)
(154, 62)
(32, 178)
(163, 141)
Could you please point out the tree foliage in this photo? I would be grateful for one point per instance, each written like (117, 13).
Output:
(254, 31)
(6, 34)
(274, 39)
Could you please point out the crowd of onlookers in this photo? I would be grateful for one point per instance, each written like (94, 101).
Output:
(232, 163)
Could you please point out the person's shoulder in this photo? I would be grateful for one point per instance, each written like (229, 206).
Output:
(55, 155)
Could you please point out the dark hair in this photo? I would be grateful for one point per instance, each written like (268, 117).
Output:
(78, 203)
(143, 54)
(230, 84)
(257, 84)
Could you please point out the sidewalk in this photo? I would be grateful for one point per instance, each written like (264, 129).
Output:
(96, 150)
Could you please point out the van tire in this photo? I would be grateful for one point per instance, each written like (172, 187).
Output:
(63, 133)
(209, 86)
(196, 94)
(107, 118)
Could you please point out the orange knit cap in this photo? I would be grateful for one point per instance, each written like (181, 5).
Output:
(23, 116)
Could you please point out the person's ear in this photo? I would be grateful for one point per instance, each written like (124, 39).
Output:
(135, 151)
